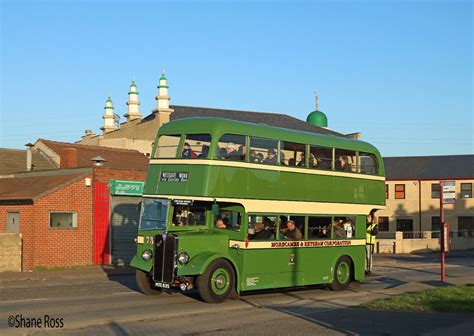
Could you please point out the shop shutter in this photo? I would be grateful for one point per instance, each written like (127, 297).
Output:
(124, 215)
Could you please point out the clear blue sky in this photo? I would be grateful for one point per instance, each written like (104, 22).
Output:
(398, 71)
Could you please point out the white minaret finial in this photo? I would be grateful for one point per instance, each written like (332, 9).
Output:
(109, 116)
(133, 103)
(163, 99)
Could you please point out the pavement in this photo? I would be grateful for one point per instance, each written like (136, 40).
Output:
(105, 300)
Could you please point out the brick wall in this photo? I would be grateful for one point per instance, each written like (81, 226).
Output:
(58, 246)
(50, 247)
(103, 174)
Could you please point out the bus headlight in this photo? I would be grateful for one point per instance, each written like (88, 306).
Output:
(183, 258)
(146, 255)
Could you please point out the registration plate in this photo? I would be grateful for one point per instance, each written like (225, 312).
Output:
(162, 284)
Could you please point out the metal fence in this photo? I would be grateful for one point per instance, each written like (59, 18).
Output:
(425, 234)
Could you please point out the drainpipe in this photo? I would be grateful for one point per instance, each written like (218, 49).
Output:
(419, 203)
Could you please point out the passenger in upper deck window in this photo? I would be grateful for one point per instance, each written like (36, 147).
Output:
(271, 157)
(302, 162)
(188, 153)
(204, 152)
(232, 153)
(242, 152)
(258, 158)
(343, 165)
(221, 153)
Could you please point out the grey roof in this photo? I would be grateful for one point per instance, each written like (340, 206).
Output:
(429, 167)
(272, 119)
(14, 161)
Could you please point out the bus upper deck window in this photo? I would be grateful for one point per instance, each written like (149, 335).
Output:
(368, 163)
(167, 146)
(292, 154)
(231, 147)
(196, 146)
(345, 160)
(263, 150)
(320, 157)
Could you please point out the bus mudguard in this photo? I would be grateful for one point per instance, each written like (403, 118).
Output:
(138, 262)
(199, 263)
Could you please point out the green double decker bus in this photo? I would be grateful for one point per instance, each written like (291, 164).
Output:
(230, 207)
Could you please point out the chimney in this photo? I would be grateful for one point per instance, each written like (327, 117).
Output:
(68, 158)
(29, 157)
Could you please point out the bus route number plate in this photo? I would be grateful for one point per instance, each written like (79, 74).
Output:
(174, 177)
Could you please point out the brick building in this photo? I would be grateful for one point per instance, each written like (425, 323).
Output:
(64, 213)
(413, 195)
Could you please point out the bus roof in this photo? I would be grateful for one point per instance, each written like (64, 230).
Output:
(219, 126)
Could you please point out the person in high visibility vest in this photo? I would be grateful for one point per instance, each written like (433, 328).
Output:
(371, 233)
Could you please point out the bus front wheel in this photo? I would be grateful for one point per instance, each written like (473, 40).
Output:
(342, 274)
(217, 282)
(145, 283)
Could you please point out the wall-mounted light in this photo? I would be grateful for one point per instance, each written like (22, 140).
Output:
(98, 161)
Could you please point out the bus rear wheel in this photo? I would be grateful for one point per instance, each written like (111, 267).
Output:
(145, 283)
(217, 282)
(342, 274)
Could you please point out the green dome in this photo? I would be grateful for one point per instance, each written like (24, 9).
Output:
(317, 118)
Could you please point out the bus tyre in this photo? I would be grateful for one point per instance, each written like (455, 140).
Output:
(217, 282)
(145, 283)
(342, 274)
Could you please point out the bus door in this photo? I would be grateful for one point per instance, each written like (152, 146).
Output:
(269, 260)
(230, 220)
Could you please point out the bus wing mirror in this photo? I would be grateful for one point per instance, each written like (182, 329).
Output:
(215, 209)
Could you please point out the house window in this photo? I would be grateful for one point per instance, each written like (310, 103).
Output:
(383, 223)
(466, 190)
(399, 191)
(406, 226)
(435, 227)
(63, 220)
(386, 191)
(435, 190)
(465, 226)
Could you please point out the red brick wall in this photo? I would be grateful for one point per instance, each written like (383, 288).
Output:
(50, 247)
(24, 210)
(104, 174)
(64, 247)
